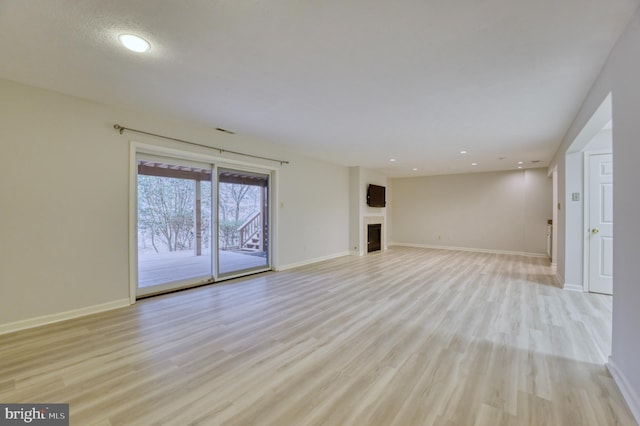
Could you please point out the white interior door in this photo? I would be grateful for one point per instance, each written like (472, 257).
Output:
(601, 223)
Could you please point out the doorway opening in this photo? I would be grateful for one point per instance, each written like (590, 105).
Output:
(588, 205)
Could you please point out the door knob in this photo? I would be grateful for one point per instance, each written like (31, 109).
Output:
(595, 230)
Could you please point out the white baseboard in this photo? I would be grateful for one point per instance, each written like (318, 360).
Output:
(62, 316)
(478, 250)
(311, 261)
(627, 391)
(573, 287)
(559, 278)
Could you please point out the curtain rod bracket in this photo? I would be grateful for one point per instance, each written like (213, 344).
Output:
(121, 130)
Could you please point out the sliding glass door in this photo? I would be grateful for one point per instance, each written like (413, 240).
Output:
(197, 223)
(243, 225)
(174, 224)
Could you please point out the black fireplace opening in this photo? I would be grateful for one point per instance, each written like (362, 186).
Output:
(374, 237)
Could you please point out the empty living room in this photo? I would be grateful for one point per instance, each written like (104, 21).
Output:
(305, 213)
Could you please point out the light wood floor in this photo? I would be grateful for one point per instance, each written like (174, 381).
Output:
(406, 337)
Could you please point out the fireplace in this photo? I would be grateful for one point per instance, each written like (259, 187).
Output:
(374, 237)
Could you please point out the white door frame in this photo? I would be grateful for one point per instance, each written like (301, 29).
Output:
(586, 214)
(554, 220)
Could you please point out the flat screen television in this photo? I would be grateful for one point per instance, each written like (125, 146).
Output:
(376, 196)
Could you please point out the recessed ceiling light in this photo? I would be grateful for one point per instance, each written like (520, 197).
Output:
(463, 152)
(392, 159)
(519, 167)
(474, 164)
(134, 43)
(519, 162)
(415, 169)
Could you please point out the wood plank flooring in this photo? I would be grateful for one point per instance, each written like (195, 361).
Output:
(405, 337)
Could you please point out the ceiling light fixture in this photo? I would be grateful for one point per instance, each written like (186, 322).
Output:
(519, 167)
(463, 152)
(519, 162)
(392, 159)
(474, 164)
(134, 43)
(415, 169)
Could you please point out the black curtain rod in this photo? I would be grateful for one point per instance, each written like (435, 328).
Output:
(121, 129)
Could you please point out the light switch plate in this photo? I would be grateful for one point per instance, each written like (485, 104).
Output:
(575, 196)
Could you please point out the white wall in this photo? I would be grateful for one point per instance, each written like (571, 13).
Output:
(573, 213)
(500, 211)
(626, 246)
(313, 220)
(354, 210)
(64, 200)
(620, 77)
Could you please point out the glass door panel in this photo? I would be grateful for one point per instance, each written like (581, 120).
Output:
(243, 225)
(174, 224)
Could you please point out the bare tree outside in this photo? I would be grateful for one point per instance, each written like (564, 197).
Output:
(166, 212)
(237, 203)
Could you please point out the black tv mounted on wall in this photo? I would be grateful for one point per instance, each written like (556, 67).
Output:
(376, 196)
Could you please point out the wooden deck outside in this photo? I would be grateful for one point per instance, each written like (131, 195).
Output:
(159, 268)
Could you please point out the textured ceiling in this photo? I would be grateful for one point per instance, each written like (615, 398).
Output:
(355, 82)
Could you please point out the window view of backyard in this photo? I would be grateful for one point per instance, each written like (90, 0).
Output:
(175, 223)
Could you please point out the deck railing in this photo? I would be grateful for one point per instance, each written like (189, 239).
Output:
(250, 229)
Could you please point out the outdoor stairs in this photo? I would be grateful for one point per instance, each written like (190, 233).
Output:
(251, 234)
(253, 244)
